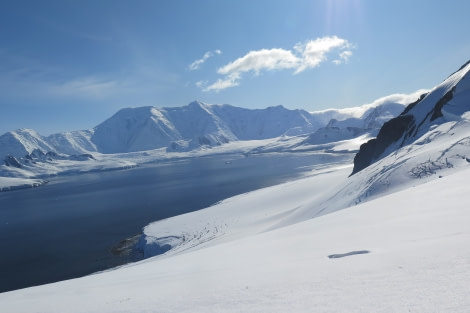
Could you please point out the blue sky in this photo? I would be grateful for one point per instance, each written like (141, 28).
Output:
(69, 65)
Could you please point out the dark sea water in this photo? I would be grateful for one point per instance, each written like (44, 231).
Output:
(72, 226)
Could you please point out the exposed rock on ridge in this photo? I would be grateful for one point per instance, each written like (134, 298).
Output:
(417, 118)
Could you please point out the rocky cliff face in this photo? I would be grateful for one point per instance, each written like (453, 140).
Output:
(390, 133)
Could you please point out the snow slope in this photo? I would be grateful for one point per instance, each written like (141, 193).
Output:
(75, 142)
(20, 142)
(407, 251)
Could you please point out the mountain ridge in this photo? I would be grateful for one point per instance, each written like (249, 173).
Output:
(446, 102)
(192, 126)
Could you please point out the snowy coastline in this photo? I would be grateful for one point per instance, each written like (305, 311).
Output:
(14, 183)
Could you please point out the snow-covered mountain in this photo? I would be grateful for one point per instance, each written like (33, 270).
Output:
(199, 124)
(74, 142)
(21, 142)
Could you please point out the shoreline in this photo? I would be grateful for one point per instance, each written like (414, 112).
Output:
(23, 186)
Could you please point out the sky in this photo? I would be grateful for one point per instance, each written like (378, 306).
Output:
(70, 65)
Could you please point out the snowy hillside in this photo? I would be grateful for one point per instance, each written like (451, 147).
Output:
(75, 142)
(448, 101)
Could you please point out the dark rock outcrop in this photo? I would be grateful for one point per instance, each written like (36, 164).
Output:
(410, 124)
(401, 127)
(390, 133)
(12, 161)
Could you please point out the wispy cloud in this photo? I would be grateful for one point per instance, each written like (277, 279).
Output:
(228, 81)
(303, 56)
(197, 64)
(257, 61)
(89, 87)
(400, 98)
(343, 57)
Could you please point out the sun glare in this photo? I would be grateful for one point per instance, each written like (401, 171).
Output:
(340, 13)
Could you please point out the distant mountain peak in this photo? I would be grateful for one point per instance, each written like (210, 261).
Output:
(198, 103)
(22, 141)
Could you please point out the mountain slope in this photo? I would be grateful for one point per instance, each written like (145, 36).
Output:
(271, 122)
(75, 142)
(446, 102)
(194, 125)
(134, 129)
(21, 142)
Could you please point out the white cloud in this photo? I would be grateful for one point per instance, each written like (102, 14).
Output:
(343, 57)
(197, 64)
(401, 98)
(303, 56)
(272, 59)
(231, 80)
(315, 51)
